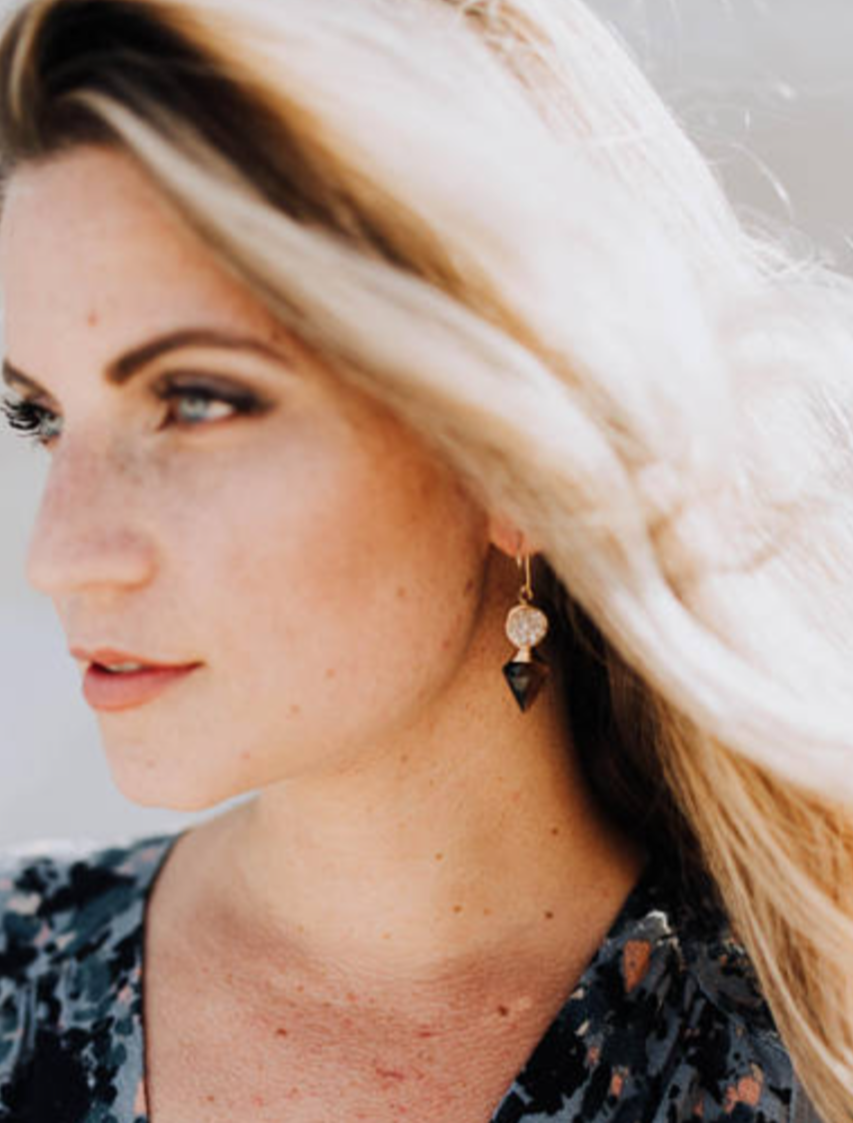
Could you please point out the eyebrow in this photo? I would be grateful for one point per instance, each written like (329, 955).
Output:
(122, 369)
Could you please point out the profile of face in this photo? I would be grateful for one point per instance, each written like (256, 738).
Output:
(227, 504)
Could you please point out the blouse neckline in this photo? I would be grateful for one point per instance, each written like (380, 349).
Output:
(641, 925)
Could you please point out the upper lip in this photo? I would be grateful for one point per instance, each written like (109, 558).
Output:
(107, 656)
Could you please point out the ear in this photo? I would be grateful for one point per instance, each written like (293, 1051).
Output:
(508, 538)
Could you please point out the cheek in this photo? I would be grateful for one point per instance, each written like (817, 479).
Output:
(338, 580)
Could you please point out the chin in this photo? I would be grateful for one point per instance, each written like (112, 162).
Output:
(152, 783)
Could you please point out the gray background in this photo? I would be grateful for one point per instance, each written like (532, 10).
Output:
(763, 86)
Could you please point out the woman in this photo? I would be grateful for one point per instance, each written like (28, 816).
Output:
(433, 456)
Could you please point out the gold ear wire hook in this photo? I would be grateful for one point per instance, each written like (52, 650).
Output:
(525, 593)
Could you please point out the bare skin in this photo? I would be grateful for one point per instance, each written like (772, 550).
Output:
(387, 928)
(281, 1032)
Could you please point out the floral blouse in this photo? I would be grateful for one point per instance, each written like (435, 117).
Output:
(666, 1023)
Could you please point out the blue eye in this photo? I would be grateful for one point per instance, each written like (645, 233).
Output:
(197, 403)
(194, 404)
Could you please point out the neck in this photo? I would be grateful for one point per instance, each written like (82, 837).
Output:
(470, 842)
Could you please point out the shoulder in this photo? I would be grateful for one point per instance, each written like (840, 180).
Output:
(666, 1025)
(60, 898)
(732, 1052)
(71, 914)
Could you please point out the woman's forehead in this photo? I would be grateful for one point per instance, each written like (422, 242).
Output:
(89, 210)
(88, 251)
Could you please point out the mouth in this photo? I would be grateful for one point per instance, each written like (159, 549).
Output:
(114, 680)
(110, 690)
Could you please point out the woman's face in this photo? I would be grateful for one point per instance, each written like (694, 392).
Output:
(288, 536)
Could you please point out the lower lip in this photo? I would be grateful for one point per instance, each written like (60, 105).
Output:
(106, 691)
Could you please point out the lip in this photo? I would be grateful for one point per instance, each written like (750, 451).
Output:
(106, 691)
(104, 655)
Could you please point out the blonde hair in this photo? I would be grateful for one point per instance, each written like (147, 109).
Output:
(480, 212)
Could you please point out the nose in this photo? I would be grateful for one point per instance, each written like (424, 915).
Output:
(89, 532)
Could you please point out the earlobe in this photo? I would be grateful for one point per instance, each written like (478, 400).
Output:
(508, 538)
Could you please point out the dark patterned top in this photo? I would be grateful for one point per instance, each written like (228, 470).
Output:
(666, 1023)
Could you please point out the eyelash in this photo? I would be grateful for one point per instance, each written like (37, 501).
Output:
(27, 418)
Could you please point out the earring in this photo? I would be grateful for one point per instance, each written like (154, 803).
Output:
(525, 626)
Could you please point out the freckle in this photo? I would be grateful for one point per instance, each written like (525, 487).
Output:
(281, 1032)
(439, 856)
(210, 1098)
(294, 709)
(503, 1010)
(555, 830)
(548, 914)
(300, 988)
(389, 1073)
(426, 1033)
(401, 592)
(445, 643)
(330, 672)
(487, 912)
(457, 908)
(351, 997)
(404, 758)
(92, 319)
(386, 935)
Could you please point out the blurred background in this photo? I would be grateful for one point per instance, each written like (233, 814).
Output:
(765, 89)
